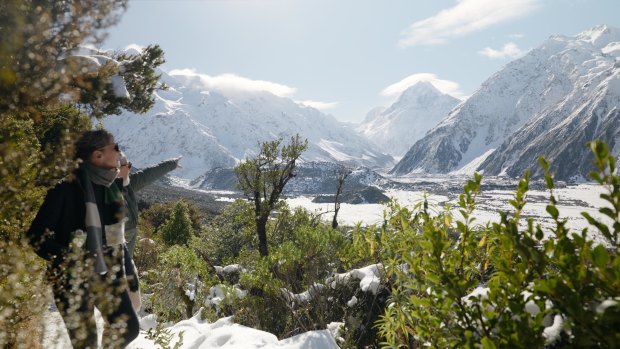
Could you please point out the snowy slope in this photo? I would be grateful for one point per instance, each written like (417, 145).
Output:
(562, 77)
(589, 110)
(418, 109)
(213, 128)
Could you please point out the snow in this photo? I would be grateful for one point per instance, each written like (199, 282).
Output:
(418, 109)
(514, 110)
(352, 302)
(606, 304)
(469, 166)
(200, 334)
(572, 200)
(304, 296)
(552, 333)
(369, 276)
(92, 62)
(215, 128)
(476, 295)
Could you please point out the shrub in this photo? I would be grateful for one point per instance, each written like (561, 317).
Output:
(177, 229)
(503, 285)
(177, 286)
(227, 234)
(303, 252)
(154, 216)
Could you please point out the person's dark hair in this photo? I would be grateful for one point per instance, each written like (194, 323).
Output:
(91, 141)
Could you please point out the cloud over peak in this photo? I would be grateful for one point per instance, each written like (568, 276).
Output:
(466, 17)
(510, 50)
(234, 82)
(445, 86)
(319, 105)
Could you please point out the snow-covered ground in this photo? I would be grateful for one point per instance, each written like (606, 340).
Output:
(200, 334)
(572, 200)
(195, 333)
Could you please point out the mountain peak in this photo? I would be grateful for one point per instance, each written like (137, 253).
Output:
(600, 35)
(422, 87)
(421, 92)
(550, 101)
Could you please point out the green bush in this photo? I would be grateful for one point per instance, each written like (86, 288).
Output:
(504, 285)
(154, 216)
(227, 234)
(179, 285)
(177, 229)
(302, 252)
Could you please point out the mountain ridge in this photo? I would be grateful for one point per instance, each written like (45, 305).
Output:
(514, 113)
(397, 127)
(213, 128)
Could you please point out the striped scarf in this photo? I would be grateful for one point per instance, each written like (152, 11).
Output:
(89, 174)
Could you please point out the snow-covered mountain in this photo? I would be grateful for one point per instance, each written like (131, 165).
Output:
(311, 178)
(214, 128)
(417, 110)
(549, 102)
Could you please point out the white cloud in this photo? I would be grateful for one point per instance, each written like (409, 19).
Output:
(466, 17)
(446, 86)
(510, 50)
(516, 36)
(319, 105)
(233, 82)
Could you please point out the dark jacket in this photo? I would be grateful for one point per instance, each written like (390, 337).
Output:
(62, 213)
(140, 180)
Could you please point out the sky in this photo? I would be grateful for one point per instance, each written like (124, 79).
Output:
(346, 57)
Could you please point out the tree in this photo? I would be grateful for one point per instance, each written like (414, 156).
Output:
(36, 35)
(341, 174)
(37, 129)
(101, 91)
(263, 178)
(178, 230)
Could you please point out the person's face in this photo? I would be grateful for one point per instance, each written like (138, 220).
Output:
(107, 157)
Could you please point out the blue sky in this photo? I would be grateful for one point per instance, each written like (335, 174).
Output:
(348, 56)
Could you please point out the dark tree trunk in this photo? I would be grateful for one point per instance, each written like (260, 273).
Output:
(342, 174)
(335, 220)
(261, 229)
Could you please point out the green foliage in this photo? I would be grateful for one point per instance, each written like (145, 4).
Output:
(162, 336)
(34, 38)
(140, 78)
(503, 285)
(264, 307)
(228, 233)
(37, 131)
(146, 255)
(33, 153)
(177, 229)
(302, 254)
(152, 218)
(21, 301)
(263, 178)
(96, 91)
(180, 271)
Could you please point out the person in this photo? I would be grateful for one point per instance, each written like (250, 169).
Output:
(131, 184)
(79, 231)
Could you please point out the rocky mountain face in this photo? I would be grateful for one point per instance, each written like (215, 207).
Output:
(549, 102)
(215, 129)
(417, 110)
(311, 178)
